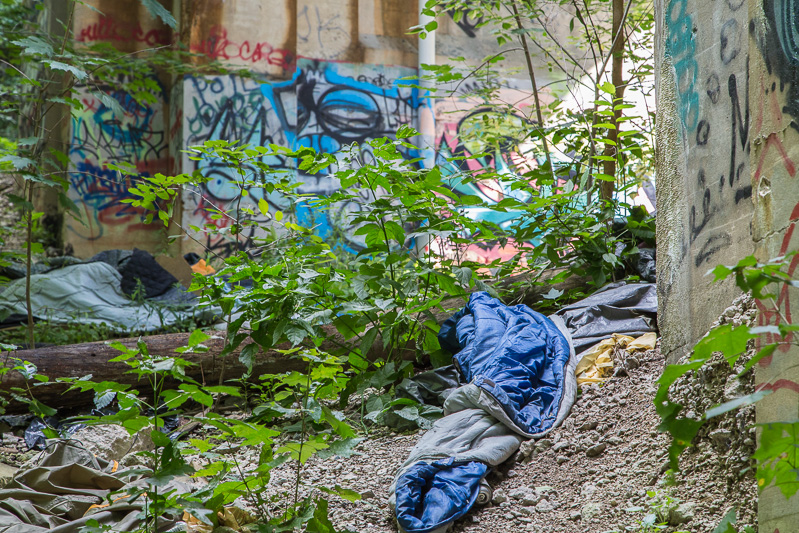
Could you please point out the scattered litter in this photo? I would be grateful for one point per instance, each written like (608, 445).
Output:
(198, 264)
(519, 369)
(626, 309)
(597, 364)
(99, 292)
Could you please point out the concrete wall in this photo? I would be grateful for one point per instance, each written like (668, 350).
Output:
(704, 190)
(774, 133)
(728, 143)
(327, 74)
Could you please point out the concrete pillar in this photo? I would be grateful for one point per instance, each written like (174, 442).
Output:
(728, 146)
(774, 134)
(703, 184)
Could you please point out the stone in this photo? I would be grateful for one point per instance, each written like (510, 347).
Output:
(367, 494)
(543, 489)
(499, 497)
(682, 514)
(530, 499)
(721, 437)
(562, 445)
(113, 442)
(544, 506)
(518, 494)
(562, 459)
(596, 450)
(590, 510)
(587, 491)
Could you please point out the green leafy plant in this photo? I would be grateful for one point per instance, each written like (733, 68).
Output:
(776, 453)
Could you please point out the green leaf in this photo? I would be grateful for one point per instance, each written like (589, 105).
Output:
(58, 65)
(730, 341)
(247, 355)
(736, 403)
(156, 10)
(263, 206)
(727, 523)
(35, 46)
(343, 448)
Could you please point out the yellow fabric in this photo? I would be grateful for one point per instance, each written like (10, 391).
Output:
(202, 268)
(596, 365)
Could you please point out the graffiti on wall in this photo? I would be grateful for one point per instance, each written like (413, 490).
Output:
(681, 47)
(100, 136)
(715, 115)
(217, 45)
(322, 33)
(107, 28)
(325, 106)
(781, 52)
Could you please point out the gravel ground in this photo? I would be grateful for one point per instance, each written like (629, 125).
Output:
(592, 474)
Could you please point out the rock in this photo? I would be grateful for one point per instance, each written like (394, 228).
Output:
(596, 450)
(562, 445)
(367, 494)
(544, 506)
(733, 388)
(499, 497)
(543, 489)
(113, 442)
(587, 491)
(530, 499)
(682, 514)
(575, 516)
(721, 438)
(518, 494)
(7, 473)
(590, 510)
(561, 459)
(588, 426)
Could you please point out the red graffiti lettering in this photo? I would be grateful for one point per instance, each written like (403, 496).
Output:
(107, 29)
(218, 46)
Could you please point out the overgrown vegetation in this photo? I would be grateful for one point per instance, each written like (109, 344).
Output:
(359, 322)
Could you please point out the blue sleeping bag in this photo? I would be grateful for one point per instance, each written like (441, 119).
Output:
(520, 359)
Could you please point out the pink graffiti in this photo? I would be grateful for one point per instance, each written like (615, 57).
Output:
(782, 308)
(108, 29)
(218, 46)
(780, 384)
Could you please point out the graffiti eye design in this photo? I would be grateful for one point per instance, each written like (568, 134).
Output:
(221, 186)
(349, 114)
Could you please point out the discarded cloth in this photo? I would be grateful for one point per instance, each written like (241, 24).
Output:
(627, 309)
(519, 366)
(92, 293)
(69, 486)
(597, 363)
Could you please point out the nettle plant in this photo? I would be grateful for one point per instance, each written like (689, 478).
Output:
(587, 158)
(357, 322)
(777, 453)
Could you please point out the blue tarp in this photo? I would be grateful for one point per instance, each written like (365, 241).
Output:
(520, 359)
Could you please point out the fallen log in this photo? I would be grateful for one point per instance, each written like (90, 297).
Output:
(78, 360)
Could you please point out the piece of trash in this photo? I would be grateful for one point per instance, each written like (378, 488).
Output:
(597, 363)
(198, 264)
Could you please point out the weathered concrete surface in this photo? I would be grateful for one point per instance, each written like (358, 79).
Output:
(328, 75)
(728, 142)
(774, 99)
(704, 185)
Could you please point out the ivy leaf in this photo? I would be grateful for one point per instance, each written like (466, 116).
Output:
(75, 71)
(35, 46)
(156, 10)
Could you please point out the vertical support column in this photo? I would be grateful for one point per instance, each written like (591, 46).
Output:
(427, 120)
